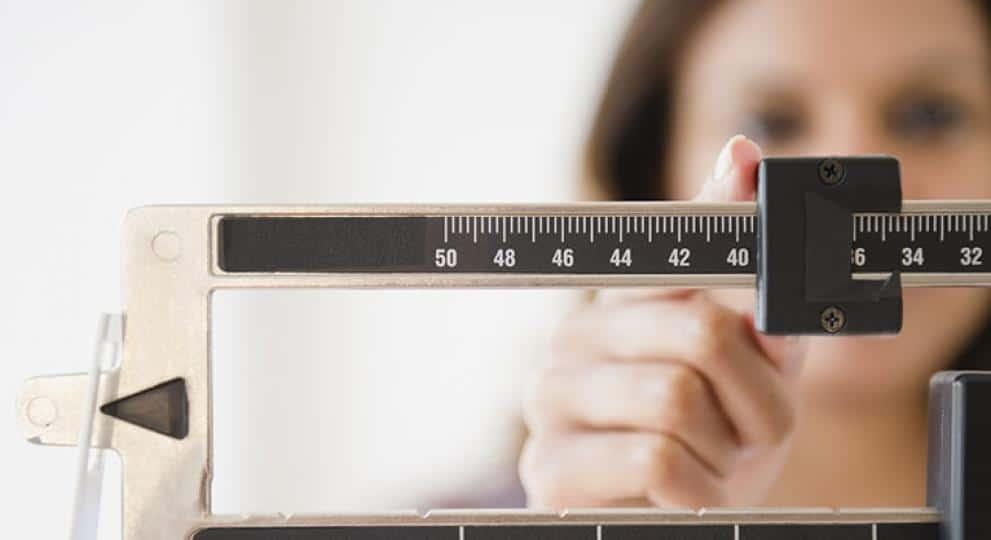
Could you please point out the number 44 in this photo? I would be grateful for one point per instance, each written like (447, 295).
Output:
(621, 257)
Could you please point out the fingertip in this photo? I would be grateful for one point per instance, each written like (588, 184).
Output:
(738, 150)
(735, 173)
(742, 178)
(745, 151)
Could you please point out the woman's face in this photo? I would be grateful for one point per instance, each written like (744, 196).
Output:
(909, 78)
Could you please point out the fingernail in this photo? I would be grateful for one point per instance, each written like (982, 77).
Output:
(725, 160)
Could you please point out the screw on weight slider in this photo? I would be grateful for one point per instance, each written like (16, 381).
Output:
(805, 208)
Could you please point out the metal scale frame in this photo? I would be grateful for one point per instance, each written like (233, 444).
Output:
(828, 245)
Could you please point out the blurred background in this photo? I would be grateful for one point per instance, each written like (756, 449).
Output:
(324, 400)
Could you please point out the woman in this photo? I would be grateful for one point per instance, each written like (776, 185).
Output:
(669, 397)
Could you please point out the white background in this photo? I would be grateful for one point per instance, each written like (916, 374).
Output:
(111, 104)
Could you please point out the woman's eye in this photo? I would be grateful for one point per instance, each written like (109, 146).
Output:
(772, 127)
(928, 117)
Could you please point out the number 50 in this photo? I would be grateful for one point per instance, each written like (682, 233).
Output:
(445, 258)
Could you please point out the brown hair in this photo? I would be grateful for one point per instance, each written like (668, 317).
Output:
(627, 144)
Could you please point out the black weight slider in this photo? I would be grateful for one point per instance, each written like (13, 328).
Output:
(805, 212)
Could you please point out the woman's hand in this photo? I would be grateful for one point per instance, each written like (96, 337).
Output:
(663, 397)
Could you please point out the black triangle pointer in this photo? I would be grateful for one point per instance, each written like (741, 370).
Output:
(163, 408)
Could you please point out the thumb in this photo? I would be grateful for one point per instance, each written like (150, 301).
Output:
(734, 177)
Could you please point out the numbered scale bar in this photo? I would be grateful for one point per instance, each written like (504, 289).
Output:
(777, 531)
(614, 524)
(932, 243)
